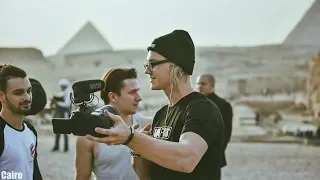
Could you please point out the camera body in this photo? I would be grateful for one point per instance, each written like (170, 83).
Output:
(86, 118)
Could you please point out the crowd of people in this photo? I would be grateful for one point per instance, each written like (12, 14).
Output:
(186, 139)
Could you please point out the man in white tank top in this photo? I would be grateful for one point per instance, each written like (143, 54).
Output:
(18, 139)
(112, 162)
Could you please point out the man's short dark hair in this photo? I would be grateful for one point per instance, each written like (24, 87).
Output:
(210, 77)
(7, 72)
(113, 80)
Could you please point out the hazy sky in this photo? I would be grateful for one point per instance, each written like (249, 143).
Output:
(48, 24)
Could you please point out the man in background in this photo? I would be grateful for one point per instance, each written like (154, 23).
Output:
(206, 86)
(62, 105)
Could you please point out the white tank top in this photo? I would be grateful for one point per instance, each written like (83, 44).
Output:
(114, 162)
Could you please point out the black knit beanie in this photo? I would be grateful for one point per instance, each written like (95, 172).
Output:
(177, 47)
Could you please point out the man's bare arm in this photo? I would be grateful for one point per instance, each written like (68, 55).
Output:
(84, 158)
(180, 156)
(183, 156)
(199, 131)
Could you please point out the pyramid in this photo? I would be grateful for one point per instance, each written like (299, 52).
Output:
(87, 39)
(306, 32)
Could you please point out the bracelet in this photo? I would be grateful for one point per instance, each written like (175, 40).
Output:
(134, 155)
(130, 137)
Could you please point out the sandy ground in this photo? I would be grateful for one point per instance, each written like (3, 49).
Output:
(246, 161)
(252, 161)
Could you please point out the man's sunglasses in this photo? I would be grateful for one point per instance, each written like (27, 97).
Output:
(150, 65)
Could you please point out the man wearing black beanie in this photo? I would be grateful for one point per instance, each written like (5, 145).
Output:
(187, 140)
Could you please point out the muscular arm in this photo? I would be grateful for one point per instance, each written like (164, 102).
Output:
(84, 158)
(182, 156)
(199, 130)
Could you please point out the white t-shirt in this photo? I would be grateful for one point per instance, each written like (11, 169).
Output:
(18, 154)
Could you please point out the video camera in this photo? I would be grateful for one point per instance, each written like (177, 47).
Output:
(85, 119)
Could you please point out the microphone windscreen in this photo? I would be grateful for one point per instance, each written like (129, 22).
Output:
(39, 97)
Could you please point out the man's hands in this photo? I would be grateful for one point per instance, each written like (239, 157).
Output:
(145, 130)
(119, 134)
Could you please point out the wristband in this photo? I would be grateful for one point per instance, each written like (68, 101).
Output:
(130, 137)
(134, 155)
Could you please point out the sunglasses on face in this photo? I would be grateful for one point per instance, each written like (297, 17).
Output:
(150, 65)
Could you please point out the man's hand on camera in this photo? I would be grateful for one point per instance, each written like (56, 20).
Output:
(119, 134)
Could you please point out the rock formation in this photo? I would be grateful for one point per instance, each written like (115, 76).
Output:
(313, 83)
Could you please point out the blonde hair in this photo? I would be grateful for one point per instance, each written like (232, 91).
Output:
(177, 74)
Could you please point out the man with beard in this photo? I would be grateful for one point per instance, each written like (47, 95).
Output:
(18, 139)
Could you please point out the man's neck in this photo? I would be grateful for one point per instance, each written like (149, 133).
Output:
(12, 119)
(127, 118)
(178, 92)
(209, 93)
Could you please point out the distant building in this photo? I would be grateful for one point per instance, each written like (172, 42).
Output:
(88, 41)
(25, 58)
(260, 84)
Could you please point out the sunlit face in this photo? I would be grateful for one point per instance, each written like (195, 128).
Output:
(18, 96)
(204, 86)
(128, 100)
(157, 67)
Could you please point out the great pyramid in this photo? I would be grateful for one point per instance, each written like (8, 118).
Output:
(307, 31)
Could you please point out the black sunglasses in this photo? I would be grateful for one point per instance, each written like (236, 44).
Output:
(151, 65)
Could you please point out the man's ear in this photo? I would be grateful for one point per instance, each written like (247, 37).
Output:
(112, 97)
